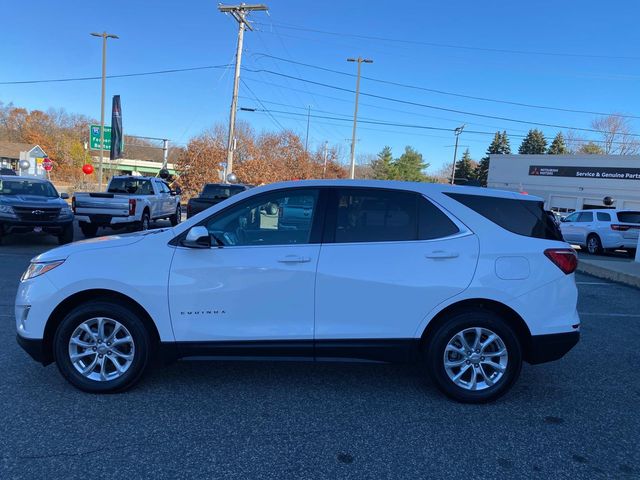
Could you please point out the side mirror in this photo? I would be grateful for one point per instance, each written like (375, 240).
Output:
(197, 237)
(64, 196)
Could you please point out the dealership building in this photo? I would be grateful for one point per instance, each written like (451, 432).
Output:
(570, 182)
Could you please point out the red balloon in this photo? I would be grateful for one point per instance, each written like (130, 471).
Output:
(87, 169)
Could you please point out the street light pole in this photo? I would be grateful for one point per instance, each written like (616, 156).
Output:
(239, 13)
(104, 36)
(360, 60)
(457, 133)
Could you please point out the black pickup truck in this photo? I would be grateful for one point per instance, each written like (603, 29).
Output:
(211, 194)
(29, 204)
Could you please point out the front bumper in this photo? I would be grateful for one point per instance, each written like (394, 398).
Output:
(35, 348)
(19, 226)
(547, 348)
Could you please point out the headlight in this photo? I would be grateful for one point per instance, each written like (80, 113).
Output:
(7, 210)
(39, 268)
(65, 211)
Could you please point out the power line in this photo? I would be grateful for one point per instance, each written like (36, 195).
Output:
(424, 105)
(443, 92)
(260, 102)
(447, 45)
(140, 74)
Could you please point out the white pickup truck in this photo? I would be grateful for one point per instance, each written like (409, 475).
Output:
(129, 202)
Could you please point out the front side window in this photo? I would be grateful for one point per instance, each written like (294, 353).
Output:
(369, 215)
(278, 218)
(585, 217)
(572, 218)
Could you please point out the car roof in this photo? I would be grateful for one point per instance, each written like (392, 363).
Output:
(24, 177)
(421, 187)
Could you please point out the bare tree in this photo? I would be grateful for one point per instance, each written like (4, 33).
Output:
(617, 136)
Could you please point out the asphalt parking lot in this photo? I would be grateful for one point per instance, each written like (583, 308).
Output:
(575, 418)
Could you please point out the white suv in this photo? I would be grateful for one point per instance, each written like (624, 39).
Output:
(468, 281)
(600, 230)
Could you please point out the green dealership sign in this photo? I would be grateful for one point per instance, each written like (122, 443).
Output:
(94, 136)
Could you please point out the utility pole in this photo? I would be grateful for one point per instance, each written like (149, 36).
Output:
(360, 60)
(239, 13)
(306, 138)
(325, 155)
(457, 133)
(104, 36)
(165, 152)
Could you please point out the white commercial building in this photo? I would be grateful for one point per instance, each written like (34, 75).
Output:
(570, 182)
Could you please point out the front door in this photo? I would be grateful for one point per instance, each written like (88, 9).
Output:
(257, 281)
(390, 257)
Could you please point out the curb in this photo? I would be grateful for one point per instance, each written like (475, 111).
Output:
(608, 274)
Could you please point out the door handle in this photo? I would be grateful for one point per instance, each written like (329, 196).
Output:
(442, 254)
(294, 259)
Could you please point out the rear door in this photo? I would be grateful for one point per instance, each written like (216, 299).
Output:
(387, 259)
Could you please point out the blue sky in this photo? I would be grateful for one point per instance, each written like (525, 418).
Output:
(47, 39)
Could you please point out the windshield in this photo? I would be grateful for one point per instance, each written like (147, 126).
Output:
(219, 191)
(629, 217)
(27, 187)
(131, 186)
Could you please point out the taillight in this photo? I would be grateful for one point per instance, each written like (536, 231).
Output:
(73, 204)
(620, 228)
(132, 206)
(564, 258)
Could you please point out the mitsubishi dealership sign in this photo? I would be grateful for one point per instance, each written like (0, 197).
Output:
(613, 173)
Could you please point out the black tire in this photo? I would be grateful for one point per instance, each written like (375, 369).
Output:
(594, 245)
(108, 309)
(88, 230)
(67, 235)
(434, 355)
(145, 221)
(176, 218)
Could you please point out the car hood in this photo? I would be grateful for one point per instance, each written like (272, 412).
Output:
(98, 243)
(31, 200)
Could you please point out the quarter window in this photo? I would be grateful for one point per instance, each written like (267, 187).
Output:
(279, 218)
(603, 217)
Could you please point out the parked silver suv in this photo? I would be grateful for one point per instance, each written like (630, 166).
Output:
(600, 230)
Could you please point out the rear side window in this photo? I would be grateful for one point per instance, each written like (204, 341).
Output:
(629, 217)
(524, 217)
(603, 217)
(376, 215)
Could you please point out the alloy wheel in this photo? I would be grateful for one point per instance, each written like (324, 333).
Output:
(101, 349)
(475, 359)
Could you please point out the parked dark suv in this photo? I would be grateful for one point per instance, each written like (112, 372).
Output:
(29, 204)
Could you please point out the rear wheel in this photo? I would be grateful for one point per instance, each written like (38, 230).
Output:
(145, 221)
(102, 347)
(176, 218)
(594, 245)
(67, 235)
(88, 230)
(474, 357)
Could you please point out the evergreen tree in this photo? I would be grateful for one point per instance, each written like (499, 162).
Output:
(558, 147)
(534, 143)
(410, 166)
(464, 166)
(499, 146)
(383, 167)
(591, 148)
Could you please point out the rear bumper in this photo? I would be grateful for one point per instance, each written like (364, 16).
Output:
(101, 220)
(35, 348)
(547, 348)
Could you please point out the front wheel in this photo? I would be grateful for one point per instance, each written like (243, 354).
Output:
(102, 347)
(66, 236)
(474, 357)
